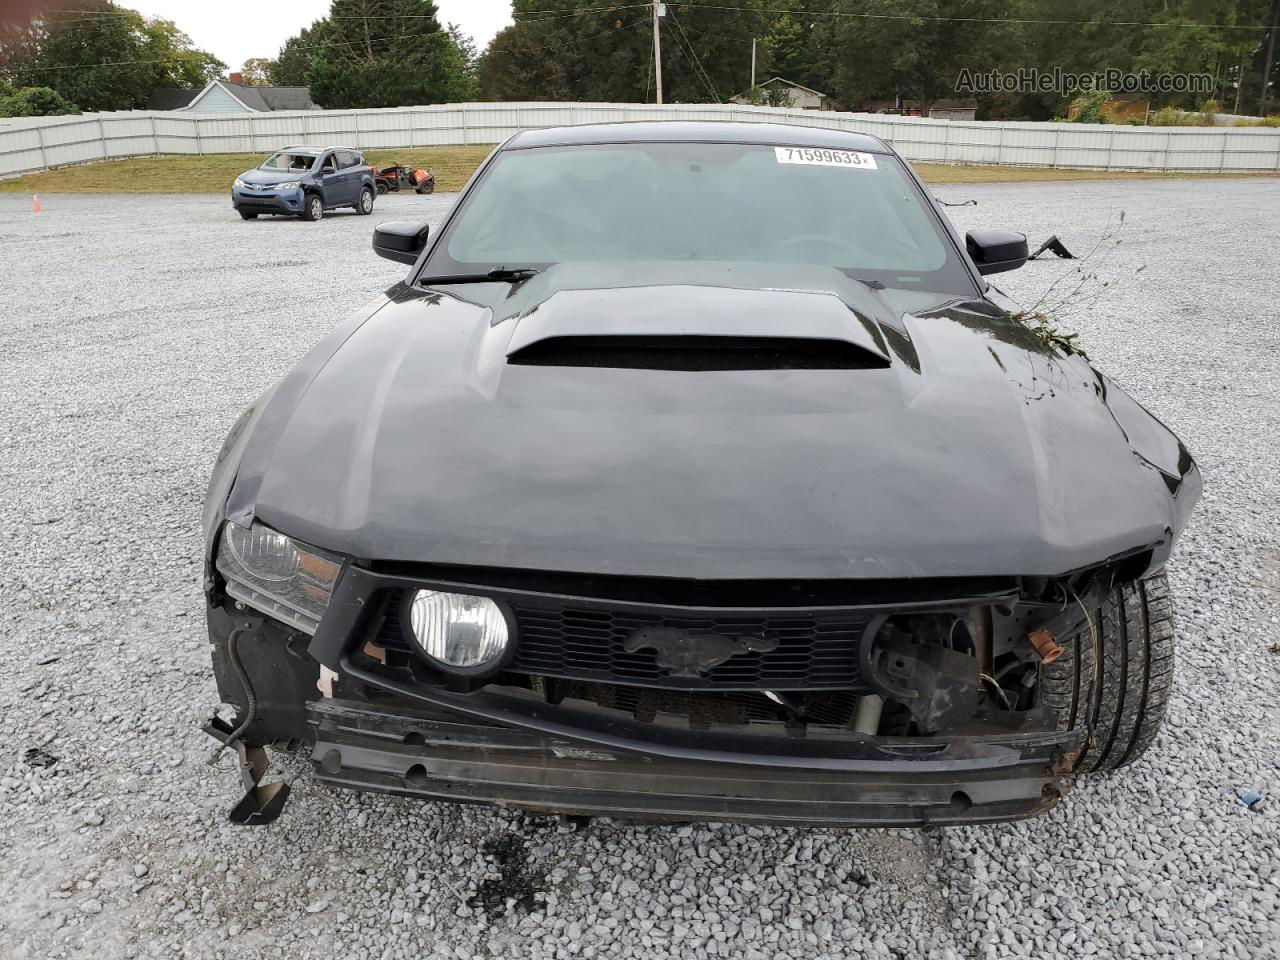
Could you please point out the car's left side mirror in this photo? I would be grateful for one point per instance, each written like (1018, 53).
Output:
(403, 240)
(995, 251)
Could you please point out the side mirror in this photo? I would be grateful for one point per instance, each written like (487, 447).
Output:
(403, 240)
(995, 251)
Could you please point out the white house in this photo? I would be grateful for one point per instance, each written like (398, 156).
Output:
(231, 96)
(787, 93)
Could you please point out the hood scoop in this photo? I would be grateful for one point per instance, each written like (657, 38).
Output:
(693, 327)
(696, 352)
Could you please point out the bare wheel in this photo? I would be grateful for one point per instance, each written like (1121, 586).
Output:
(1114, 680)
(314, 208)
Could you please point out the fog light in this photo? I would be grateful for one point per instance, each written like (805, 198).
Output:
(460, 632)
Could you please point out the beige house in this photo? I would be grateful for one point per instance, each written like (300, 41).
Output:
(778, 92)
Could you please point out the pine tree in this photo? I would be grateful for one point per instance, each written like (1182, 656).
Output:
(386, 53)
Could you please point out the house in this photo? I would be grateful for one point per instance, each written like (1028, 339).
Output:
(780, 92)
(231, 96)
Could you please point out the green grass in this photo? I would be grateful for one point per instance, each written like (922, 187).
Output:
(451, 165)
(213, 173)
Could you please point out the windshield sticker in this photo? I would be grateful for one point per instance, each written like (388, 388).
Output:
(825, 158)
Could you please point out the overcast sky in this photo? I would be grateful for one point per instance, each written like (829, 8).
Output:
(235, 30)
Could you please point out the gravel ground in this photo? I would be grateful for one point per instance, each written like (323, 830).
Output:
(134, 330)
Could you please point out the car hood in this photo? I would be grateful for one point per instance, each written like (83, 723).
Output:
(267, 178)
(477, 426)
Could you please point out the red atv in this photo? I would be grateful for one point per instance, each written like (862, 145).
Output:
(396, 177)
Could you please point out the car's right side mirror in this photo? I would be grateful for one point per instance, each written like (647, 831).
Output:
(995, 251)
(403, 240)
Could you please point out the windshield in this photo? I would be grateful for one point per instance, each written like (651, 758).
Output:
(282, 162)
(860, 213)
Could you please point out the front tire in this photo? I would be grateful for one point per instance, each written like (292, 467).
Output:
(364, 206)
(427, 186)
(246, 215)
(1123, 701)
(314, 208)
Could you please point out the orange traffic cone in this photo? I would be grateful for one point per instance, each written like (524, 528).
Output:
(35, 203)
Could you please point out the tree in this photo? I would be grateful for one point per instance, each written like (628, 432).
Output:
(290, 68)
(386, 53)
(515, 67)
(916, 49)
(256, 72)
(33, 102)
(105, 57)
(583, 50)
(177, 62)
(799, 46)
(466, 45)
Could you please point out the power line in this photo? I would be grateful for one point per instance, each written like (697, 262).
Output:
(718, 36)
(315, 46)
(1012, 20)
(560, 14)
(692, 55)
(93, 15)
(596, 36)
(184, 55)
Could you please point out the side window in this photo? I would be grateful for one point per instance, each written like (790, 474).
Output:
(329, 165)
(348, 159)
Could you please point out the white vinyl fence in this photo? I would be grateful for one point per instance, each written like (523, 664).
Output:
(37, 143)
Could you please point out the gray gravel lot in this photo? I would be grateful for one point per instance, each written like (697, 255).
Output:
(132, 332)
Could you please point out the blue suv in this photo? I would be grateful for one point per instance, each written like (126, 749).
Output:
(305, 182)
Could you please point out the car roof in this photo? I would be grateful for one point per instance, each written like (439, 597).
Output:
(697, 131)
(307, 148)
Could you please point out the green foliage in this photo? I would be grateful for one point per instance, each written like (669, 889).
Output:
(769, 95)
(515, 67)
(1173, 117)
(105, 57)
(256, 71)
(290, 68)
(33, 102)
(379, 53)
(859, 51)
(801, 46)
(1089, 105)
(583, 50)
(176, 62)
(902, 49)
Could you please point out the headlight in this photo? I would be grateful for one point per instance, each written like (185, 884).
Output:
(460, 632)
(240, 183)
(291, 185)
(277, 575)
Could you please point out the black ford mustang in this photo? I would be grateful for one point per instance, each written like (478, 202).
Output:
(695, 471)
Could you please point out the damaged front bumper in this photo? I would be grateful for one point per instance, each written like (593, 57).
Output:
(505, 746)
(965, 781)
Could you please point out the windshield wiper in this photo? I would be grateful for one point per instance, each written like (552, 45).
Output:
(497, 274)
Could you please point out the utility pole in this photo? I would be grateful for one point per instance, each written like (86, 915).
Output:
(753, 63)
(657, 49)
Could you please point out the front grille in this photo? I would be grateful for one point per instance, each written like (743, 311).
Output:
(738, 707)
(814, 650)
